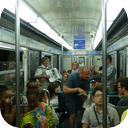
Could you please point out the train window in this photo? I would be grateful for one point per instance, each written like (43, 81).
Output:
(7, 60)
(82, 60)
(9, 80)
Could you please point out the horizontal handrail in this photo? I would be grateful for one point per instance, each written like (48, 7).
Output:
(9, 71)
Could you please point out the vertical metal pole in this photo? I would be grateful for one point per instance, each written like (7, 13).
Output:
(71, 58)
(104, 49)
(62, 61)
(92, 54)
(17, 48)
(90, 59)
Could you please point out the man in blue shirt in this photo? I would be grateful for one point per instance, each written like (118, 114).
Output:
(78, 82)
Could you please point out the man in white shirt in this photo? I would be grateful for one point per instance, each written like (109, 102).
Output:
(41, 73)
(93, 116)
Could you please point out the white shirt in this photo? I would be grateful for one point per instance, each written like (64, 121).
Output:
(39, 70)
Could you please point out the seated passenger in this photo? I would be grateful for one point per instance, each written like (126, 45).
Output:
(94, 81)
(123, 90)
(53, 88)
(57, 101)
(75, 67)
(9, 77)
(8, 110)
(32, 79)
(43, 99)
(65, 77)
(64, 71)
(36, 115)
(88, 102)
(124, 119)
(92, 117)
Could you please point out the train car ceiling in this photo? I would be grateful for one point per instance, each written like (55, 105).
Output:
(65, 16)
(8, 21)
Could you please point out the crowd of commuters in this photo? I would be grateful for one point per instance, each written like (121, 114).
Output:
(74, 103)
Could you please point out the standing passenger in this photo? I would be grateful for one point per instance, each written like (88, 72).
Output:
(110, 72)
(75, 67)
(41, 73)
(78, 82)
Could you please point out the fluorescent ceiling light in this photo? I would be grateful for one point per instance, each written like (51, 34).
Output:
(26, 13)
(42, 26)
(29, 16)
(53, 35)
(65, 44)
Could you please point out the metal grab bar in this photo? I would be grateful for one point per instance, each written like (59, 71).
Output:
(48, 96)
(117, 95)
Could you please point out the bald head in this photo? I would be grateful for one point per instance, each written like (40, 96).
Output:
(84, 72)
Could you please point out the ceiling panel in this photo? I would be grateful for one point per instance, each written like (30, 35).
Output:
(69, 15)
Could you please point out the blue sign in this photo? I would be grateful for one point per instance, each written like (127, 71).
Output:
(68, 52)
(79, 34)
(79, 44)
(90, 53)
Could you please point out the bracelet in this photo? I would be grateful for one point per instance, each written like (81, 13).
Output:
(6, 114)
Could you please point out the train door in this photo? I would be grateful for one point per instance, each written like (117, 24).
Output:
(88, 61)
(97, 62)
(33, 61)
(56, 61)
(114, 61)
(120, 63)
(37, 60)
(67, 62)
(124, 61)
(81, 61)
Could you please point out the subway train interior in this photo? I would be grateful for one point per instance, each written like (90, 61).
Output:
(64, 31)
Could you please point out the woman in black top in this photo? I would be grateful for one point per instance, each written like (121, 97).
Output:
(8, 111)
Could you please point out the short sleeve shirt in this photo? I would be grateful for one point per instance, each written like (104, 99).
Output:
(89, 117)
(124, 119)
(74, 81)
(39, 70)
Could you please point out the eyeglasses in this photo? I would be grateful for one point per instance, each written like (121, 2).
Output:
(119, 87)
(99, 95)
